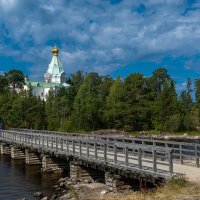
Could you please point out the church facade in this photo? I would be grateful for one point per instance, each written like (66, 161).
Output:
(55, 78)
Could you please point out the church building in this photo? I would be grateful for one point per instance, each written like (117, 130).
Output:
(55, 78)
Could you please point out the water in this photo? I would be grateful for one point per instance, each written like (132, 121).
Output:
(18, 180)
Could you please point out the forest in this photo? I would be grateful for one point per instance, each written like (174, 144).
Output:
(94, 102)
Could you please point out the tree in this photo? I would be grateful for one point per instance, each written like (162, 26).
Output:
(76, 80)
(196, 108)
(136, 98)
(113, 113)
(52, 110)
(15, 79)
(159, 77)
(64, 98)
(167, 105)
(87, 104)
(3, 84)
(197, 92)
(96, 102)
(185, 107)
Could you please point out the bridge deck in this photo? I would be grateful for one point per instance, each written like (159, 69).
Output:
(132, 158)
(192, 173)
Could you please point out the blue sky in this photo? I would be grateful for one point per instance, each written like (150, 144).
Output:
(111, 37)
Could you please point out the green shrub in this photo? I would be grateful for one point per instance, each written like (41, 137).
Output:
(178, 180)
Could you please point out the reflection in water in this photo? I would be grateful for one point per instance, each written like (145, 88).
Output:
(18, 180)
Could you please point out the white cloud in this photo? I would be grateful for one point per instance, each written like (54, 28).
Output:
(98, 35)
(7, 4)
(48, 8)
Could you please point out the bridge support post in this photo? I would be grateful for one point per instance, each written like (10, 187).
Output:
(50, 164)
(5, 149)
(80, 173)
(17, 153)
(116, 183)
(32, 158)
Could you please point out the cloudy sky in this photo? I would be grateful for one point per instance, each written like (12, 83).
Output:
(114, 37)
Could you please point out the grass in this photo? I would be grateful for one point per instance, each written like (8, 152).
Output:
(73, 192)
(178, 188)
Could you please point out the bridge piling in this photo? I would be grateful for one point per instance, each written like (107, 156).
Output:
(80, 173)
(32, 158)
(116, 183)
(50, 164)
(5, 149)
(17, 153)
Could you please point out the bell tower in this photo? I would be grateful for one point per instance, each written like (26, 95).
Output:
(55, 72)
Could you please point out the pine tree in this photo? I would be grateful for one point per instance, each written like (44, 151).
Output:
(52, 110)
(159, 77)
(136, 98)
(113, 112)
(87, 104)
(197, 92)
(168, 108)
(16, 80)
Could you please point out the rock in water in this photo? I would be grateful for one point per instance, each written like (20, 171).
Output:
(54, 197)
(38, 194)
(44, 198)
(61, 180)
(61, 184)
(65, 197)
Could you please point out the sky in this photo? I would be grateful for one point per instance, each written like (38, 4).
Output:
(111, 37)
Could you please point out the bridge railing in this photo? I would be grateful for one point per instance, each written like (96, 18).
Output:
(183, 152)
(126, 156)
(47, 132)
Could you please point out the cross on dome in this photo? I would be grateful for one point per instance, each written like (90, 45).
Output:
(55, 50)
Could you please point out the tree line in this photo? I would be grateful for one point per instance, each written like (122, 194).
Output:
(95, 102)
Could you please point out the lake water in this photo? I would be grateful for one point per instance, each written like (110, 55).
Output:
(18, 180)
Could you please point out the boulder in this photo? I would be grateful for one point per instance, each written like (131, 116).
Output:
(61, 180)
(61, 184)
(38, 194)
(64, 191)
(86, 181)
(65, 197)
(69, 183)
(58, 188)
(54, 197)
(55, 186)
(44, 198)
(103, 192)
(23, 198)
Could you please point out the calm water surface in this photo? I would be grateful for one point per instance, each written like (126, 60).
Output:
(18, 181)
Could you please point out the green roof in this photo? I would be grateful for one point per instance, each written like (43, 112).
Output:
(45, 84)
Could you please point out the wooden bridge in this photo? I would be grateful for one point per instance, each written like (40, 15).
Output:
(129, 157)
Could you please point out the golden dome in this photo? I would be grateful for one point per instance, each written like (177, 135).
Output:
(55, 50)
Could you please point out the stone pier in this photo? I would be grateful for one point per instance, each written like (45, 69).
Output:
(84, 174)
(32, 158)
(5, 149)
(17, 153)
(116, 183)
(50, 164)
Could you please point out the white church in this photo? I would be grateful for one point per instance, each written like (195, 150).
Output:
(55, 78)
